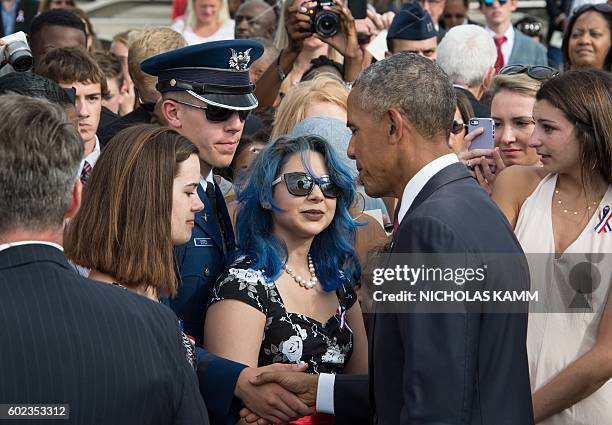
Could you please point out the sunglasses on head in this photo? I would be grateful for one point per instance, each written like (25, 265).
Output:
(216, 113)
(302, 184)
(458, 126)
(490, 2)
(599, 7)
(537, 72)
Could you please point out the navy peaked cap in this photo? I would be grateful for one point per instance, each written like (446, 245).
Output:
(216, 73)
(412, 23)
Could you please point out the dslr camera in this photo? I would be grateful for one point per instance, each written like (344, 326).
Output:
(324, 22)
(16, 52)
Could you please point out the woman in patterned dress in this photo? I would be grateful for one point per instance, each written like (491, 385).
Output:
(289, 298)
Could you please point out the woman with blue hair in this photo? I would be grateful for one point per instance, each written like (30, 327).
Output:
(290, 297)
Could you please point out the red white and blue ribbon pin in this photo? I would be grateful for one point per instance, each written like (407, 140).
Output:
(604, 220)
(342, 313)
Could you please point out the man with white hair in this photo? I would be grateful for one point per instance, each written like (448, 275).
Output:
(467, 55)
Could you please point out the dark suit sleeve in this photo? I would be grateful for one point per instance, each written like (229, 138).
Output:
(351, 400)
(218, 378)
(438, 373)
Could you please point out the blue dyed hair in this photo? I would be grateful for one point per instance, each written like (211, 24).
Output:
(332, 250)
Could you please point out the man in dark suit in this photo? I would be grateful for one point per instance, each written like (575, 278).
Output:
(111, 356)
(464, 366)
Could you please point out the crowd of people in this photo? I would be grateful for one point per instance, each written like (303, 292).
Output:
(190, 215)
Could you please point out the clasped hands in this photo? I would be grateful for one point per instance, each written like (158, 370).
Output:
(276, 393)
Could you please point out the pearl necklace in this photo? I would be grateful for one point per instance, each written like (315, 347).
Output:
(307, 284)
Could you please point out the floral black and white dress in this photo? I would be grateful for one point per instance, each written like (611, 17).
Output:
(290, 337)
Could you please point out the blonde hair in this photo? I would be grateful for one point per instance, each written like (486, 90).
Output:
(147, 43)
(191, 18)
(517, 83)
(322, 88)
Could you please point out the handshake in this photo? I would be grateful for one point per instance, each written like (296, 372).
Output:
(276, 393)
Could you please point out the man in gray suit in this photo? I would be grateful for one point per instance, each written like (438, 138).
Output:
(513, 47)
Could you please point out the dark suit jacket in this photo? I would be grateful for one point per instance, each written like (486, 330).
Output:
(26, 11)
(460, 368)
(480, 109)
(115, 357)
(140, 115)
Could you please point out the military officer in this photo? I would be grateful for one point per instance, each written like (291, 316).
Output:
(206, 96)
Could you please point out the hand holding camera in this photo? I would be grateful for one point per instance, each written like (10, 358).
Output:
(14, 50)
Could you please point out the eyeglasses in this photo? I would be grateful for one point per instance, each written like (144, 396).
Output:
(216, 113)
(458, 126)
(537, 72)
(302, 184)
(490, 2)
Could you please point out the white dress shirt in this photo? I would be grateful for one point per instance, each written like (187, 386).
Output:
(205, 181)
(506, 48)
(325, 387)
(92, 158)
(12, 244)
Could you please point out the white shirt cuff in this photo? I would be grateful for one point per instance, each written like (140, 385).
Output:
(325, 393)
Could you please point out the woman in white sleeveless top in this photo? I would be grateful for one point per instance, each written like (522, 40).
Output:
(561, 209)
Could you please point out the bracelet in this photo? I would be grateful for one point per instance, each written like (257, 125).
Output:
(279, 69)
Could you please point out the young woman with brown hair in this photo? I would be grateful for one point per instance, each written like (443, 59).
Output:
(140, 201)
(562, 209)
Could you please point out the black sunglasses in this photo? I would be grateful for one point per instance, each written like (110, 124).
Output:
(302, 184)
(490, 2)
(537, 72)
(216, 113)
(458, 126)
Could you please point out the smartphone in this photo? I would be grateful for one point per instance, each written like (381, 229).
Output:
(486, 139)
(358, 8)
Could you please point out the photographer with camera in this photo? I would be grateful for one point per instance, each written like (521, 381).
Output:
(307, 24)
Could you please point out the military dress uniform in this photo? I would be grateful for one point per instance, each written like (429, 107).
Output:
(217, 74)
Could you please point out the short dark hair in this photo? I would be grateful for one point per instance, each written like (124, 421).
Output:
(415, 86)
(34, 85)
(110, 65)
(39, 163)
(72, 65)
(59, 17)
